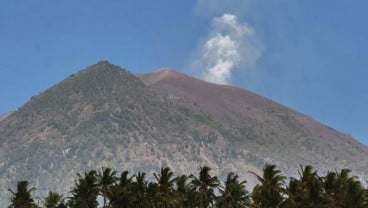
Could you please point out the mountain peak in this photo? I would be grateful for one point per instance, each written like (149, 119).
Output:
(102, 73)
(166, 72)
(99, 84)
(102, 65)
(161, 74)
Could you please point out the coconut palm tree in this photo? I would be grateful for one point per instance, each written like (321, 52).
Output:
(119, 197)
(344, 190)
(205, 185)
(293, 191)
(139, 191)
(354, 194)
(187, 194)
(153, 195)
(269, 193)
(119, 194)
(124, 180)
(233, 193)
(165, 181)
(22, 197)
(85, 192)
(307, 192)
(105, 180)
(311, 187)
(330, 187)
(54, 200)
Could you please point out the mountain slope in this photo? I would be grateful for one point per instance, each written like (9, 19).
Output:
(4, 116)
(263, 127)
(106, 116)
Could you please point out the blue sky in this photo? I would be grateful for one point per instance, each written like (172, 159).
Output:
(309, 55)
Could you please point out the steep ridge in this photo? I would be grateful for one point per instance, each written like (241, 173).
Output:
(263, 127)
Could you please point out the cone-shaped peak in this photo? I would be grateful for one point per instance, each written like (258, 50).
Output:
(162, 74)
(102, 65)
(95, 85)
(103, 73)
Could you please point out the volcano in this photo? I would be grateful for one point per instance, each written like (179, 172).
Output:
(106, 116)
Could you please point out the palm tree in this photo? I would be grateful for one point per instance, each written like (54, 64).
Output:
(165, 181)
(119, 197)
(354, 195)
(124, 180)
(344, 191)
(119, 194)
(105, 180)
(153, 195)
(139, 190)
(293, 191)
(85, 192)
(22, 198)
(307, 191)
(206, 185)
(233, 194)
(193, 198)
(186, 192)
(188, 196)
(312, 186)
(54, 200)
(330, 187)
(269, 193)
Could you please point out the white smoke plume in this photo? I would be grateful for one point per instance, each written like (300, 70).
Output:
(230, 44)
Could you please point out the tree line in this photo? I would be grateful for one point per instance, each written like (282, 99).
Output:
(336, 189)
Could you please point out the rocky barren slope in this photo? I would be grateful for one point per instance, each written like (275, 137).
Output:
(261, 126)
(4, 116)
(106, 116)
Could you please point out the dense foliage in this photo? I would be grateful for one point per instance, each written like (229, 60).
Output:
(334, 190)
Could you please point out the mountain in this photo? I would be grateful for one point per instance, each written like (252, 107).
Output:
(103, 116)
(106, 116)
(263, 131)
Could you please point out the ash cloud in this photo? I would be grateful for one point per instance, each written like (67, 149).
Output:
(229, 45)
